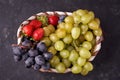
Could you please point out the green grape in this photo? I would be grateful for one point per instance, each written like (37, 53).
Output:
(74, 13)
(52, 50)
(84, 72)
(88, 66)
(68, 27)
(73, 55)
(87, 45)
(74, 62)
(93, 42)
(81, 61)
(77, 19)
(84, 28)
(51, 28)
(60, 68)
(67, 39)
(53, 37)
(66, 62)
(75, 32)
(91, 13)
(46, 31)
(84, 53)
(77, 42)
(59, 45)
(70, 48)
(64, 53)
(76, 69)
(93, 25)
(88, 36)
(61, 25)
(69, 19)
(97, 20)
(97, 32)
(47, 41)
(86, 18)
(54, 61)
(81, 38)
(80, 12)
(61, 33)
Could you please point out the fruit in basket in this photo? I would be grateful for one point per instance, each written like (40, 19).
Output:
(61, 43)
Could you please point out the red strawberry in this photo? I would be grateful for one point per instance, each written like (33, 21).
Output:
(53, 19)
(27, 30)
(36, 23)
(38, 34)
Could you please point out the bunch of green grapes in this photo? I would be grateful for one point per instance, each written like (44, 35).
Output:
(73, 41)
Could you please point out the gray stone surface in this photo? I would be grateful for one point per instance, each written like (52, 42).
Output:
(13, 12)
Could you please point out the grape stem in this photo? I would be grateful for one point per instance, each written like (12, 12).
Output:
(76, 47)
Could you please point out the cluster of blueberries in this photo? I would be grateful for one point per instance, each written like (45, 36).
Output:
(34, 54)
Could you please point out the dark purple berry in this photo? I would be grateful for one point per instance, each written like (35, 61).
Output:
(41, 47)
(61, 18)
(17, 50)
(25, 56)
(47, 55)
(27, 43)
(36, 67)
(46, 66)
(39, 60)
(17, 58)
(33, 52)
(29, 62)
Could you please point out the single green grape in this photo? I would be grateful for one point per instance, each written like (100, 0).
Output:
(81, 38)
(47, 41)
(73, 55)
(97, 20)
(88, 36)
(97, 32)
(93, 25)
(84, 72)
(86, 18)
(67, 39)
(66, 62)
(64, 53)
(84, 53)
(51, 28)
(59, 45)
(54, 61)
(53, 37)
(88, 66)
(84, 28)
(75, 32)
(61, 25)
(81, 61)
(91, 13)
(87, 45)
(76, 69)
(60, 67)
(77, 19)
(47, 32)
(61, 33)
(68, 27)
(52, 50)
(69, 19)
(80, 12)
(70, 48)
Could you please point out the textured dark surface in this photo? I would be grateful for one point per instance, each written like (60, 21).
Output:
(13, 12)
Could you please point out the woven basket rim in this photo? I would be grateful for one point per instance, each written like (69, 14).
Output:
(96, 48)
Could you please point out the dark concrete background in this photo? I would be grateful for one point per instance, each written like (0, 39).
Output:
(13, 12)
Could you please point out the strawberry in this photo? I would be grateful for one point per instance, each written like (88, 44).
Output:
(38, 34)
(27, 30)
(53, 19)
(35, 23)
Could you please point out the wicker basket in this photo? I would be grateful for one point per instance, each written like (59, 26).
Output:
(59, 13)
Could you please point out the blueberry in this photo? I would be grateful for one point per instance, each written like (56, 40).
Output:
(25, 56)
(27, 43)
(17, 50)
(46, 66)
(17, 58)
(47, 55)
(36, 67)
(61, 18)
(41, 47)
(29, 62)
(39, 60)
(33, 52)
